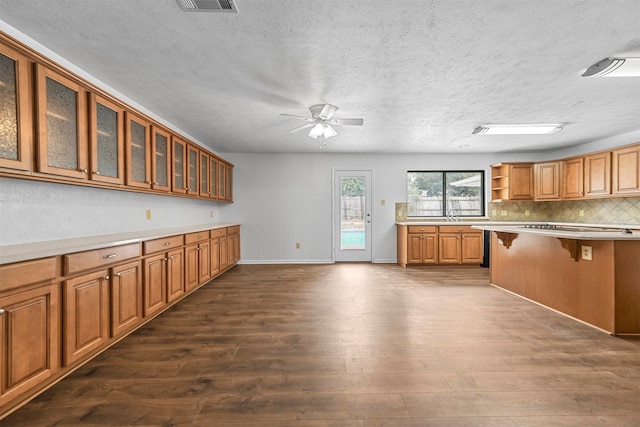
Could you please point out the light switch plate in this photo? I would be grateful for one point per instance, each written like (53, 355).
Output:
(587, 253)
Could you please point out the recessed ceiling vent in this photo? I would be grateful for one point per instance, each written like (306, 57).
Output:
(219, 6)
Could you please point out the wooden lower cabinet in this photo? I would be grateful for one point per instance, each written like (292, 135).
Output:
(29, 337)
(59, 312)
(445, 244)
(85, 314)
(126, 297)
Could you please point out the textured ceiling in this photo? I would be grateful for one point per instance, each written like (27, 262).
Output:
(421, 73)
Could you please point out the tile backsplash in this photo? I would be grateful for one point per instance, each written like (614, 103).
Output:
(622, 210)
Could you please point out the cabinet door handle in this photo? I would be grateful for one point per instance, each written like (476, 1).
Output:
(165, 259)
(84, 170)
(107, 277)
(170, 257)
(117, 274)
(166, 244)
(1, 311)
(109, 256)
(96, 173)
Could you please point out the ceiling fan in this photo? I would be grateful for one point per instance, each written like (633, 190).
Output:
(321, 121)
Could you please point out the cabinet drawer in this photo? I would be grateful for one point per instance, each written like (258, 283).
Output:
(163, 244)
(218, 232)
(27, 273)
(234, 229)
(422, 229)
(93, 259)
(200, 236)
(458, 229)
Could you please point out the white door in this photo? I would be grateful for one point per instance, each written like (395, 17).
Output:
(352, 215)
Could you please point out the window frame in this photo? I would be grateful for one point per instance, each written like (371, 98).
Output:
(444, 173)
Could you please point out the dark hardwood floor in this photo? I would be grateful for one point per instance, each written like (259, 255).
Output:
(352, 345)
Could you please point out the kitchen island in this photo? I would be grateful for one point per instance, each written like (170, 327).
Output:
(586, 272)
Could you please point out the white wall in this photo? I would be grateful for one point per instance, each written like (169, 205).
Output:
(32, 211)
(281, 199)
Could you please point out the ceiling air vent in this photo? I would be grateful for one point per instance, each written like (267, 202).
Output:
(219, 6)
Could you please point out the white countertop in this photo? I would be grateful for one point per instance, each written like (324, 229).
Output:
(578, 232)
(27, 251)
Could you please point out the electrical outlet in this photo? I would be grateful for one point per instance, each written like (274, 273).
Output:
(587, 253)
(581, 212)
(504, 213)
(383, 202)
(297, 245)
(494, 212)
(148, 213)
(526, 212)
(211, 214)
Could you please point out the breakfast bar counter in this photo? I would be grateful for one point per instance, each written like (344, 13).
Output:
(589, 273)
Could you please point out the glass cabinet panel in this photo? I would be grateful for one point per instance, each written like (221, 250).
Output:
(61, 125)
(213, 171)
(228, 181)
(138, 156)
(106, 139)
(179, 165)
(160, 167)
(192, 170)
(222, 172)
(15, 110)
(204, 174)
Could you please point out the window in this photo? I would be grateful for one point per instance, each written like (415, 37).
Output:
(439, 193)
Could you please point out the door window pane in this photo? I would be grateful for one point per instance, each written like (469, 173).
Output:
(352, 213)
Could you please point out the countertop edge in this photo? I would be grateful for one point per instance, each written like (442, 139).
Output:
(575, 235)
(29, 251)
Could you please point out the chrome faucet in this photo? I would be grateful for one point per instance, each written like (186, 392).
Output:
(451, 215)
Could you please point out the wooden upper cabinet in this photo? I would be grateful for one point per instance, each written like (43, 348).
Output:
(626, 170)
(193, 170)
(138, 149)
(61, 125)
(547, 180)
(160, 159)
(512, 181)
(106, 140)
(597, 174)
(16, 139)
(573, 178)
(179, 159)
(204, 174)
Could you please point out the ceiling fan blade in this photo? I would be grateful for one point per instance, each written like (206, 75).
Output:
(308, 125)
(307, 119)
(327, 111)
(355, 122)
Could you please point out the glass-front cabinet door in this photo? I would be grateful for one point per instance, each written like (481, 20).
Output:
(193, 169)
(106, 140)
(204, 174)
(213, 171)
(179, 154)
(16, 135)
(61, 125)
(138, 160)
(161, 166)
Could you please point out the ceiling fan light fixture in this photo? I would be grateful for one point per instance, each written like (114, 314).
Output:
(539, 129)
(614, 67)
(329, 131)
(316, 131)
